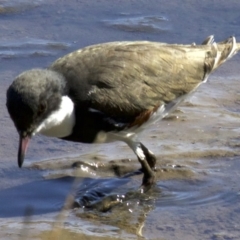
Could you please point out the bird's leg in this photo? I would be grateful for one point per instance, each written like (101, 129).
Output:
(147, 161)
(145, 157)
(150, 157)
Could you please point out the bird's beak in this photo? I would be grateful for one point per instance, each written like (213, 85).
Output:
(23, 144)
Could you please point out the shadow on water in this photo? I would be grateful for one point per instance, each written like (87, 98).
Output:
(49, 195)
(43, 196)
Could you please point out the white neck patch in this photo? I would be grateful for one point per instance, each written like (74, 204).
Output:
(61, 122)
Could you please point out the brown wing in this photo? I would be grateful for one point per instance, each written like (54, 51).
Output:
(126, 79)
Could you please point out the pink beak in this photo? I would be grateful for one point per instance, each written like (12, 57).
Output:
(23, 145)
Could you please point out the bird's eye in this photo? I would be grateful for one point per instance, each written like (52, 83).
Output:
(41, 108)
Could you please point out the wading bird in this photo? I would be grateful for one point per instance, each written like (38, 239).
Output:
(111, 92)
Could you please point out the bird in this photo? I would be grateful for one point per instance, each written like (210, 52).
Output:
(111, 92)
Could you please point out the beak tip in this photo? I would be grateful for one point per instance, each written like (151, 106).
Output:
(20, 160)
(19, 164)
(23, 144)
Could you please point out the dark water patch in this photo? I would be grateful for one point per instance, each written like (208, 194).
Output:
(100, 194)
(30, 47)
(41, 196)
(147, 24)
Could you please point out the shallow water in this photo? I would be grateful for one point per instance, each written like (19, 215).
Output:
(196, 195)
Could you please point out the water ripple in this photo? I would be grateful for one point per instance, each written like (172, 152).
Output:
(149, 24)
(196, 198)
(30, 47)
(105, 194)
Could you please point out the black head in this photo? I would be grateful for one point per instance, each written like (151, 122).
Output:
(32, 96)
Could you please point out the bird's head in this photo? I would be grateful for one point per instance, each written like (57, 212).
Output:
(31, 97)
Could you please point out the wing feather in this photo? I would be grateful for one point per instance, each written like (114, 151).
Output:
(125, 79)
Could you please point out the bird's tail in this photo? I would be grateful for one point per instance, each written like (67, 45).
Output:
(219, 53)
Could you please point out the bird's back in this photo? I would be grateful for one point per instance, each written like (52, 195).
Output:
(138, 76)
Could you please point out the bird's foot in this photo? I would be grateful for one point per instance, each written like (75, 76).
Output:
(148, 162)
(150, 157)
(148, 181)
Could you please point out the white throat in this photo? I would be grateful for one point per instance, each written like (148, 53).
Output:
(61, 122)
